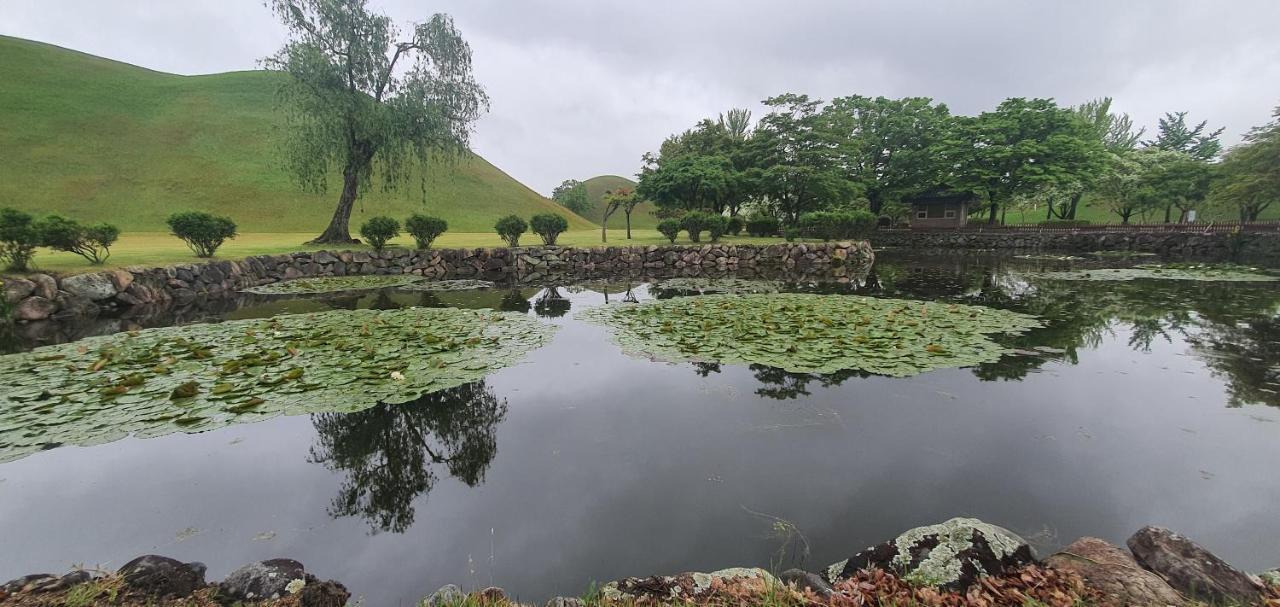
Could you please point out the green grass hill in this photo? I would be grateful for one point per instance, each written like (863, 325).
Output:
(642, 217)
(100, 140)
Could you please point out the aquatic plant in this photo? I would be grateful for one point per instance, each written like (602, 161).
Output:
(708, 286)
(334, 284)
(812, 333)
(449, 285)
(1047, 257)
(1172, 271)
(199, 377)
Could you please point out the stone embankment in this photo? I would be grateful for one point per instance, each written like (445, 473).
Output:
(959, 562)
(1197, 245)
(42, 296)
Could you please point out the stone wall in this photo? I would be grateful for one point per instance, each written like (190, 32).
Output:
(1258, 246)
(41, 296)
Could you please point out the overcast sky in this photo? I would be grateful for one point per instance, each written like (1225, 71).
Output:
(584, 87)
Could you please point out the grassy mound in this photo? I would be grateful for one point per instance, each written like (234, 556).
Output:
(100, 140)
(642, 217)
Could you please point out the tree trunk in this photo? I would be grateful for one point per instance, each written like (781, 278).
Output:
(1168, 213)
(874, 198)
(1075, 203)
(339, 230)
(628, 225)
(991, 216)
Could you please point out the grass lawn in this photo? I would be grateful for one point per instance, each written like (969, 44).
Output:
(159, 248)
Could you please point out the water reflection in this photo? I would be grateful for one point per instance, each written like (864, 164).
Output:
(515, 301)
(390, 453)
(551, 304)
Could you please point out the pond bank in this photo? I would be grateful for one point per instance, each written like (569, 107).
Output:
(959, 562)
(41, 296)
(1261, 246)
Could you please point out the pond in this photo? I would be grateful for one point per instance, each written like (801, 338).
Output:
(1145, 401)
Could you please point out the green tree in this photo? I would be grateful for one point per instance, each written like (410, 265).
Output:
(1173, 134)
(90, 242)
(572, 195)
(1176, 180)
(889, 146)
(797, 158)
(1117, 134)
(361, 101)
(622, 198)
(1251, 172)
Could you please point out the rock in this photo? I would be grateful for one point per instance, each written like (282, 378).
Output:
(447, 594)
(28, 583)
(951, 555)
(95, 287)
(741, 581)
(70, 305)
(16, 289)
(1113, 572)
(262, 580)
(323, 594)
(121, 279)
(34, 308)
(564, 601)
(804, 580)
(163, 577)
(1191, 569)
(492, 595)
(46, 286)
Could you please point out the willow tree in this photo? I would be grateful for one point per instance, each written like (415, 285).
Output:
(366, 102)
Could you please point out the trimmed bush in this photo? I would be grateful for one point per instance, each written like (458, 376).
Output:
(425, 229)
(202, 232)
(735, 226)
(379, 230)
(836, 225)
(510, 228)
(763, 226)
(18, 239)
(90, 242)
(696, 223)
(670, 228)
(717, 225)
(548, 226)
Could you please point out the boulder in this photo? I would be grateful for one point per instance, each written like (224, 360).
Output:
(16, 289)
(323, 594)
(1113, 572)
(95, 287)
(121, 279)
(741, 582)
(804, 580)
(262, 580)
(34, 308)
(71, 305)
(951, 555)
(565, 601)
(447, 594)
(162, 577)
(46, 286)
(1191, 569)
(28, 583)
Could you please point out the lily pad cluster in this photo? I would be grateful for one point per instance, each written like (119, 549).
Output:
(1180, 271)
(450, 285)
(334, 284)
(803, 333)
(199, 377)
(708, 286)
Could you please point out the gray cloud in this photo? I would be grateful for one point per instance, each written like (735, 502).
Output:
(584, 87)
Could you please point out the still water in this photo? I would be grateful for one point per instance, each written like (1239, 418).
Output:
(1147, 402)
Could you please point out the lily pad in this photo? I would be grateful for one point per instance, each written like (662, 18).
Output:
(709, 286)
(450, 285)
(1048, 257)
(1180, 271)
(803, 333)
(199, 377)
(334, 284)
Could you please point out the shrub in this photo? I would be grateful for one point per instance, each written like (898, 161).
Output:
(763, 226)
(670, 228)
(696, 223)
(202, 232)
(18, 239)
(510, 228)
(379, 230)
(836, 225)
(717, 225)
(90, 242)
(548, 226)
(425, 229)
(735, 226)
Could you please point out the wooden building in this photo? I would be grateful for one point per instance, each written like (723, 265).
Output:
(939, 208)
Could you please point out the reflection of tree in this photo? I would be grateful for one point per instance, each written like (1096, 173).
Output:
(1246, 354)
(705, 369)
(390, 452)
(784, 385)
(551, 304)
(514, 301)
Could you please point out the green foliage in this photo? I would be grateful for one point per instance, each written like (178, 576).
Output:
(714, 286)
(548, 226)
(425, 229)
(1185, 271)
(333, 284)
(90, 242)
(799, 167)
(202, 232)
(812, 333)
(510, 228)
(717, 226)
(763, 226)
(460, 284)
(379, 230)
(735, 226)
(670, 228)
(837, 225)
(1250, 172)
(697, 222)
(572, 195)
(354, 106)
(18, 239)
(194, 378)
(1174, 135)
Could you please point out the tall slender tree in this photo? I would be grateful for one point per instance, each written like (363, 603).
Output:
(363, 103)
(1173, 134)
